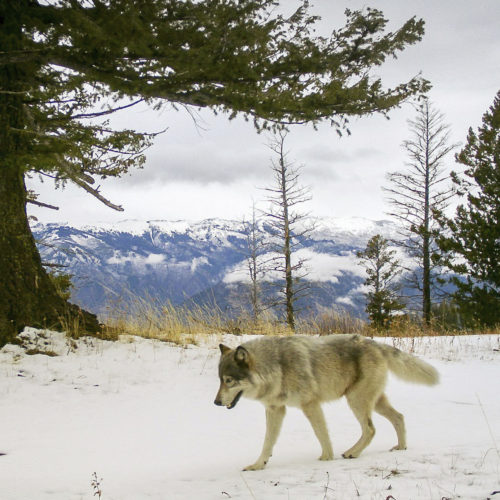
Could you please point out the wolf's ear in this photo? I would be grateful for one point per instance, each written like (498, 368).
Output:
(241, 356)
(224, 348)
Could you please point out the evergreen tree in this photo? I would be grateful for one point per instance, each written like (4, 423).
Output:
(66, 65)
(473, 242)
(382, 269)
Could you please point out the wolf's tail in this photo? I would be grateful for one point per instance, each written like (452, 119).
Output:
(410, 368)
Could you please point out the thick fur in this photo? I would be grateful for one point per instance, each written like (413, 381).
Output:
(306, 371)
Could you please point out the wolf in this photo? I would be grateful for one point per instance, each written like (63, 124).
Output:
(303, 372)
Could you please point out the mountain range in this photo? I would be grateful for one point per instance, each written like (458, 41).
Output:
(201, 262)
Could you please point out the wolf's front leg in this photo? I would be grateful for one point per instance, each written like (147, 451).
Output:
(314, 413)
(274, 419)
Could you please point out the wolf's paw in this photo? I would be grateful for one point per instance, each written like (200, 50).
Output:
(255, 466)
(350, 454)
(326, 456)
(397, 447)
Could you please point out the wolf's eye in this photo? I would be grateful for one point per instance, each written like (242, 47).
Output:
(229, 380)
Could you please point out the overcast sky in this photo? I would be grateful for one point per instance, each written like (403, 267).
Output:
(217, 168)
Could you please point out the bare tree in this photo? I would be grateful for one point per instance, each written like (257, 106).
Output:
(288, 226)
(419, 195)
(255, 248)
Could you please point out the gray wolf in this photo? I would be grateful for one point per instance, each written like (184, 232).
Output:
(305, 371)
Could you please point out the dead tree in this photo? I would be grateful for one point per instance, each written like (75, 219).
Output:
(255, 250)
(288, 227)
(419, 196)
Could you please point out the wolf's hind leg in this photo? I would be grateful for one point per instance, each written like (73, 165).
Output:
(274, 419)
(395, 418)
(315, 415)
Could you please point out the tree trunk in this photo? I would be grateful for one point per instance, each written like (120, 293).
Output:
(27, 295)
(289, 293)
(426, 283)
(254, 288)
(290, 313)
(426, 260)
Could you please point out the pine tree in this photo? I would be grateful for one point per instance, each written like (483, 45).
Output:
(382, 269)
(66, 65)
(473, 242)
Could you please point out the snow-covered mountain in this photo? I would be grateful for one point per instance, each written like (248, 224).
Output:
(201, 262)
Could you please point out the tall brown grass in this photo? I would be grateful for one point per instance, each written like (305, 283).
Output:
(410, 327)
(182, 325)
(331, 321)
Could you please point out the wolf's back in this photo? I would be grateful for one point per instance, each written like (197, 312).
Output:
(410, 368)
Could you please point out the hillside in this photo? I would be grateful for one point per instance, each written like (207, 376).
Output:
(201, 262)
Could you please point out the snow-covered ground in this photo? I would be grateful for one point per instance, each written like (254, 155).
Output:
(140, 414)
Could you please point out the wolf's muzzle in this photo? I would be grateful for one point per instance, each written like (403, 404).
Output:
(235, 400)
(218, 402)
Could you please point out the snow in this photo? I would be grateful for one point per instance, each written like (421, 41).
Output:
(340, 229)
(348, 229)
(140, 414)
(202, 229)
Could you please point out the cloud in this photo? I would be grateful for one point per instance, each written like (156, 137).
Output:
(325, 153)
(214, 168)
(201, 163)
(320, 267)
(326, 267)
(136, 260)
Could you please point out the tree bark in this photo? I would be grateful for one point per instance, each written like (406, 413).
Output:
(27, 295)
(426, 283)
(426, 259)
(289, 292)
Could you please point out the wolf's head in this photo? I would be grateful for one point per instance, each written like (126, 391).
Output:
(234, 374)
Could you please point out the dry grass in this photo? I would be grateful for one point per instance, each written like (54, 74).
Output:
(182, 325)
(407, 327)
(331, 321)
(147, 319)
